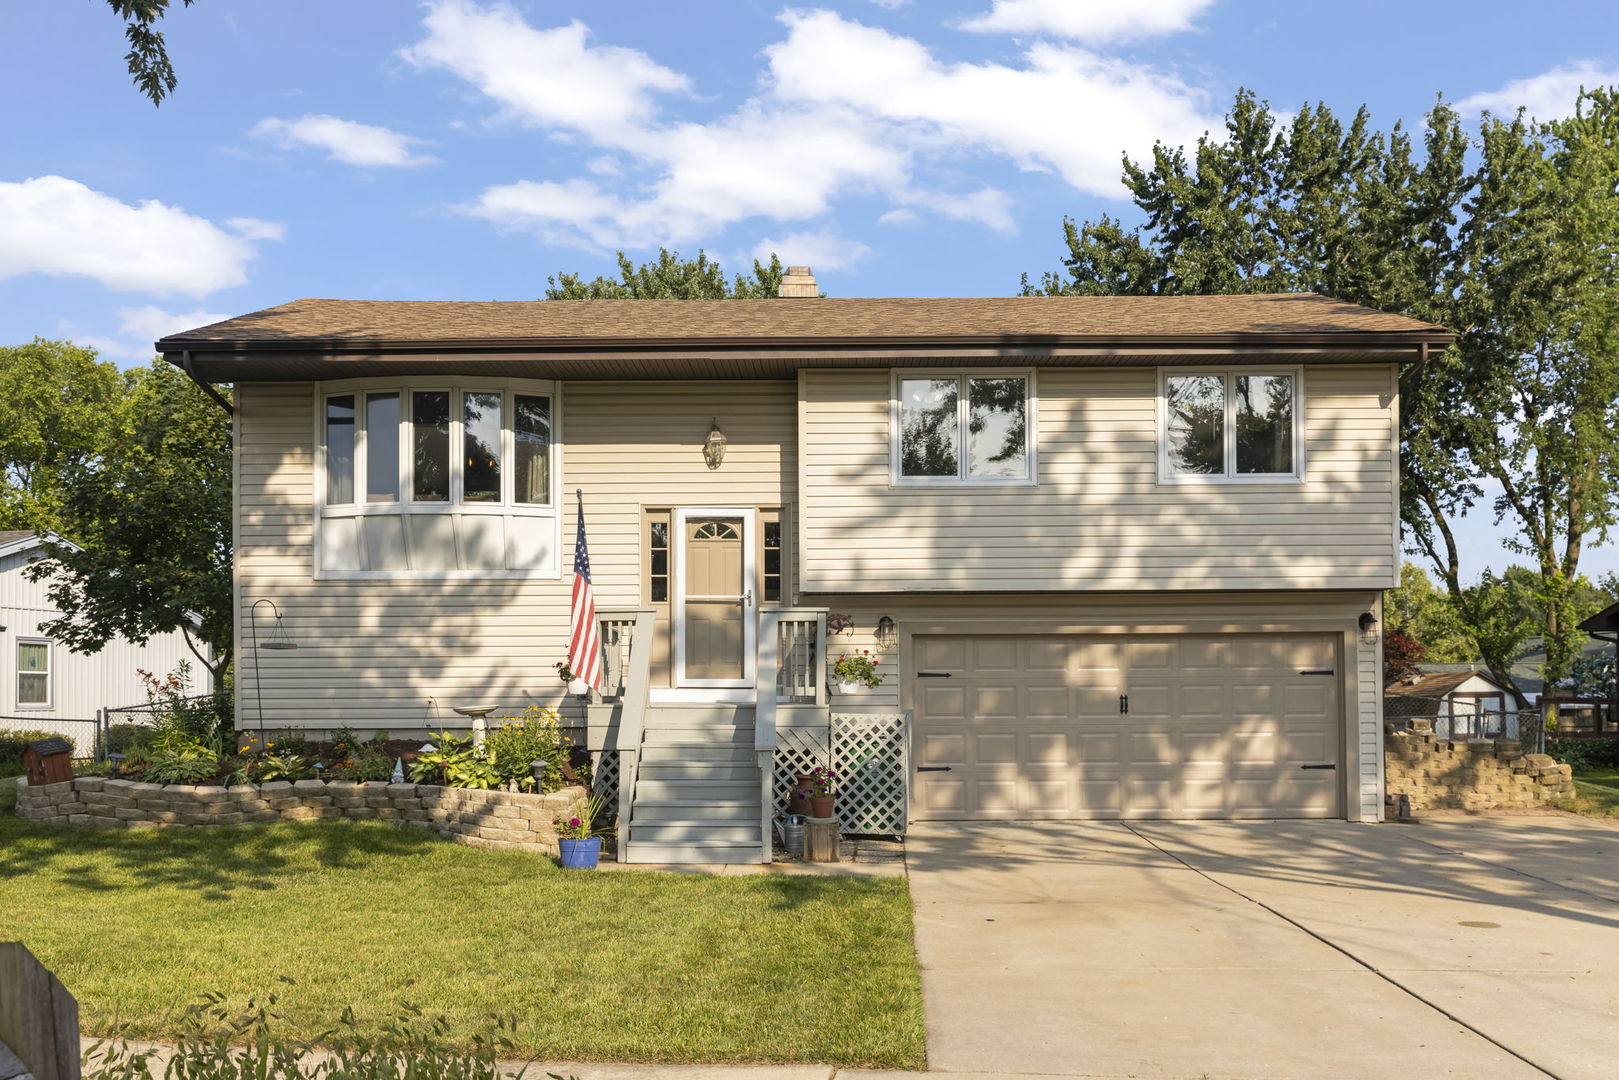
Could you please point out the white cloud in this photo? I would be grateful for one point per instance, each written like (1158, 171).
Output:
(1094, 21)
(1068, 109)
(138, 328)
(255, 229)
(61, 227)
(844, 110)
(902, 216)
(345, 140)
(890, 4)
(824, 250)
(1547, 96)
(544, 77)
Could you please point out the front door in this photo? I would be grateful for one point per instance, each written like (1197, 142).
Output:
(714, 603)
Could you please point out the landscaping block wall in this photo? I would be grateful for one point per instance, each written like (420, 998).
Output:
(1479, 775)
(496, 819)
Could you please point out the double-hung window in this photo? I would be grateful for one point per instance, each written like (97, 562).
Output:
(33, 674)
(438, 479)
(963, 428)
(1230, 425)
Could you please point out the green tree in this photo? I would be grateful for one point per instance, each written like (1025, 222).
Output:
(57, 411)
(670, 278)
(1428, 615)
(148, 56)
(1515, 252)
(152, 524)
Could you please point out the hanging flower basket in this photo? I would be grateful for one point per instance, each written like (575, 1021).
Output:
(856, 672)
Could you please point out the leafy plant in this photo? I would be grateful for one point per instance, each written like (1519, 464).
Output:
(531, 736)
(365, 764)
(121, 738)
(823, 782)
(858, 667)
(221, 1041)
(272, 767)
(433, 766)
(185, 765)
(344, 743)
(288, 742)
(181, 722)
(582, 825)
(474, 772)
(1584, 754)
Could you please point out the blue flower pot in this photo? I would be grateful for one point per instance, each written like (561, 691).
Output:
(581, 854)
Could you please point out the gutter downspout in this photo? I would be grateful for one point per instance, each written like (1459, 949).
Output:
(207, 387)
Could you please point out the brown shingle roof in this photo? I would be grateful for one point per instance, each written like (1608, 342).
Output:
(11, 536)
(1071, 318)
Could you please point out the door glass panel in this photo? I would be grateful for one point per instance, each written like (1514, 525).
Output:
(481, 447)
(928, 424)
(430, 430)
(382, 448)
(714, 607)
(997, 428)
(340, 450)
(1264, 423)
(770, 572)
(531, 447)
(1196, 424)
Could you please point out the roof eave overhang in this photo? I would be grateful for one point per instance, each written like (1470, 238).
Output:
(765, 357)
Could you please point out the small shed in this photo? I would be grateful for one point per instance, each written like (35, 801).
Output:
(47, 761)
(1461, 703)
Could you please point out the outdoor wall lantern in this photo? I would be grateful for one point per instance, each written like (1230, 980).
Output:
(885, 632)
(279, 641)
(714, 445)
(1368, 627)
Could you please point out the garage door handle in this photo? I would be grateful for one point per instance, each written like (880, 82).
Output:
(933, 768)
(932, 674)
(1319, 671)
(1318, 766)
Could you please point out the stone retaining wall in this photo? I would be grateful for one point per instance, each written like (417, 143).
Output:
(497, 819)
(1478, 775)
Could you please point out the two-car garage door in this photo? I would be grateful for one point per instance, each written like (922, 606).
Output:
(1127, 726)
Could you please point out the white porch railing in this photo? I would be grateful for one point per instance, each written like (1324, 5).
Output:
(790, 669)
(626, 679)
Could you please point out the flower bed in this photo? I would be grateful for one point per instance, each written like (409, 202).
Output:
(502, 819)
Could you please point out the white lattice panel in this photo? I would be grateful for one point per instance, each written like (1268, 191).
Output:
(871, 753)
(604, 779)
(798, 750)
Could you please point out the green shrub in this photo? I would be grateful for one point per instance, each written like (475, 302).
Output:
(180, 722)
(1584, 754)
(188, 765)
(362, 764)
(13, 743)
(221, 1042)
(524, 739)
(122, 738)
(272, 767)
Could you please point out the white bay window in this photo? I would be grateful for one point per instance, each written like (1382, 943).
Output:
(437, 480)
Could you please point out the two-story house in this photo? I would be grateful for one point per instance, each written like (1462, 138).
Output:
(1119, 557)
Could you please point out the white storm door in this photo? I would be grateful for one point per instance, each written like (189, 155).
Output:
(714, 606)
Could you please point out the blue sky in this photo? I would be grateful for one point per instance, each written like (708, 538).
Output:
(465, 149)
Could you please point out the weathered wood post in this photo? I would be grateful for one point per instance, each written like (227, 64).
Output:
(39, 1020)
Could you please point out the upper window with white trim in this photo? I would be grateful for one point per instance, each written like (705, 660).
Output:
(963, 428)
(33, 674)
(437, 479)
(1237, 425)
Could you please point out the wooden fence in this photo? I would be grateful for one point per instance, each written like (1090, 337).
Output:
(39, 1020)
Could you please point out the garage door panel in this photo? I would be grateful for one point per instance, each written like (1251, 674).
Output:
(1218, 726)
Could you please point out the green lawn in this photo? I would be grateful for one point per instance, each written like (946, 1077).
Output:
(606, 966)
(1598, 792)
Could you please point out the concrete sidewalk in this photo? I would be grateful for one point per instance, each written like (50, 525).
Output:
(1263, 951)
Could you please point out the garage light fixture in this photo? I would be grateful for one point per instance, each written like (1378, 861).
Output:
(1368, 627)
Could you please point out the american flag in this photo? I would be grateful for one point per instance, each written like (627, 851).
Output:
(584, 641)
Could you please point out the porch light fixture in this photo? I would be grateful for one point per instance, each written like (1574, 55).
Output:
(714, 445)
(1368, 627)
(885, 632)
(279, 641)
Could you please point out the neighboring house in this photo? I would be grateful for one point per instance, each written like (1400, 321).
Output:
(1529, 663)
(1462, 702)
(1118, 556)
(44, 684)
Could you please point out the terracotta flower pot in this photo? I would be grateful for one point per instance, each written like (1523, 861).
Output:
(822, 806)
(798, 797)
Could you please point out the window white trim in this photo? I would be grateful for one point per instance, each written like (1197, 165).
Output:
(963, 405)
(1229, 442)
(49, 673)
(407, 506)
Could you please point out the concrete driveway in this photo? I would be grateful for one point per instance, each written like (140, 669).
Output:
(1484, 948)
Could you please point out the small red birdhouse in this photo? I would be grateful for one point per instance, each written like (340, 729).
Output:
(48, 761)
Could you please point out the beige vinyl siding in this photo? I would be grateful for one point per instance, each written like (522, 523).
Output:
(1099, 518)
(401, 653)
(1337, 613)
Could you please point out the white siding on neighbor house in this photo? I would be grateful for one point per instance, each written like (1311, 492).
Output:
(80, 683)
(1099, 519)
(401, 654)
(1162, 612)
